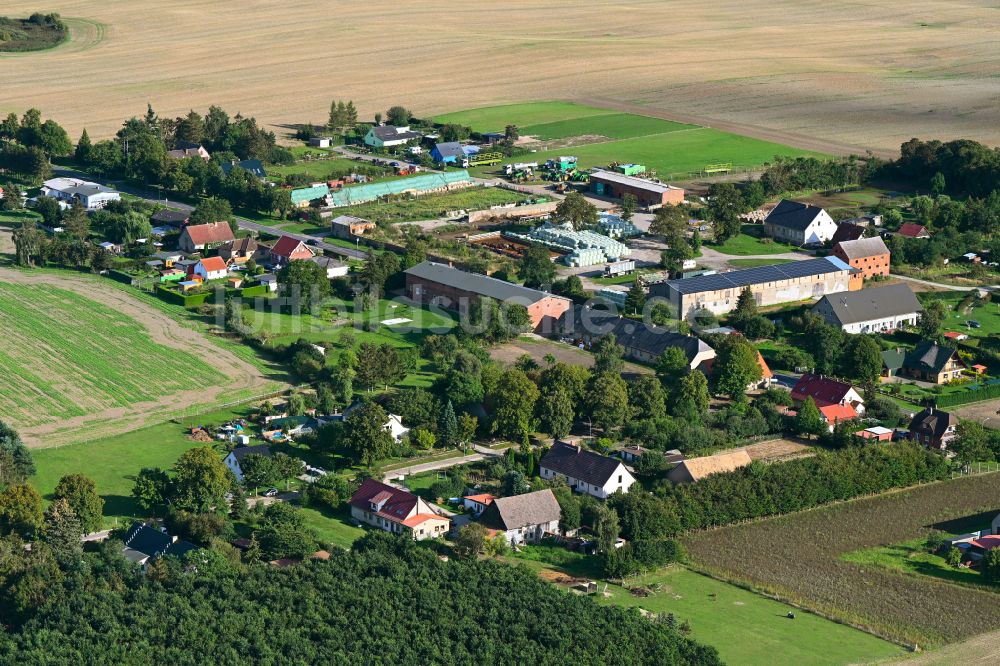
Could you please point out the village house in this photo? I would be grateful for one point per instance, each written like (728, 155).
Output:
(144, 543)
(874, 310)
(211, 268)
(451, 288)
(648, 193)
(204, 236)
(847, 231)
(169, 218)
(239, 251)
(523, 518)
(642, 342)
(253, 167)
(387, 136)
(333, 268)
(911, 230)
(585, 471)
(693, 470)
(289, 249)
(269, 280)
(397, 511)
(237, 455)
(349, 227)
(477, 503)
(799, 223)
(771, 285)
(72, 190)
(320, 141)
(186, 149)
(827, 392)
(928, 361)
(875, 434)
(933, 428)
(869, 256)
(449, 152)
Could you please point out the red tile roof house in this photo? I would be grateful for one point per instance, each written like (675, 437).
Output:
(289, 249)
(204, 236)
(477, 503)
(211, 268)
(396, 511)
(828, 392)
(910, 230)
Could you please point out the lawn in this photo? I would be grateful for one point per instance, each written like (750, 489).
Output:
(749, 242)
(496, 118)
(744, 627)
(321, 169)
(611, 125)
(432, 206)
(331, 527)
(113, 462)
(913, 557)
(987, 314)
(800, 557)
(15, 218)
(753, 263)
(65, 355)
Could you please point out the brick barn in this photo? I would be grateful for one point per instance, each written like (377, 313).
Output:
(647, 192)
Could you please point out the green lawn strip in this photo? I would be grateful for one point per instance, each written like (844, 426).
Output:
(432, 206)
(15, 218)
(744, 627)
(113, 462)
(749, 242)
(753, 263)
(496, 118)
(914, 558)
(612, 125)
(331, 527)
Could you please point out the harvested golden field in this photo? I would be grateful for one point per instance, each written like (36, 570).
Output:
(798, 558)
(821, 76)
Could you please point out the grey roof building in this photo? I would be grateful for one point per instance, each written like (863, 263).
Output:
(870, 310)
(520, 511)
(255, 167)
(143, 542)
(863, 247)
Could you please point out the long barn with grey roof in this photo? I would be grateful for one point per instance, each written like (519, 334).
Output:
(456, 289)
(771, 285)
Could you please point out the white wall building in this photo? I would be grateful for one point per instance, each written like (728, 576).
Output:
(585, 471)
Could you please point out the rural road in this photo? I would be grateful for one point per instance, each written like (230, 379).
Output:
(481, 453)
(146, 195)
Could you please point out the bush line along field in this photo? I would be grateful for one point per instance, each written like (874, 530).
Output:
(664, 146)
(65, 355)
(798, 558)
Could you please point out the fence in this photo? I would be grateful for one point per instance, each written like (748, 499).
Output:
(971, 469)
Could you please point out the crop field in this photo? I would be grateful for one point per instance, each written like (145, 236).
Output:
(84, 359)
(612, 125)
(800, 558)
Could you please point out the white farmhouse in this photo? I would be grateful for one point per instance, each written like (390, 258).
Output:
(387, 136)
(585, 471)
(90, 195)
(799, 224)
(875, 310)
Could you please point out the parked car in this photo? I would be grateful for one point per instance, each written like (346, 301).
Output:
(270, 492)
(973, 323)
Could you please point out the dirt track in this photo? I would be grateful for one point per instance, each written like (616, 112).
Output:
(163, 330)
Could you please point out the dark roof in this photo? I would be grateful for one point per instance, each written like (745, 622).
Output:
(391, 133)
(751, 276)
(577, 463)
(145, 539)
(255, 167)
(823, 390)
(511, 513)
(929, 356)
(179, 548)
(396, 504)
(863, 247)
(851, 307)
(911, 230)
(187, 145)
(241, 452)
(893, 359)
(450, 149)
(245, 245)
(932, 422)
(630, 333)
(847, 232)
(174, 218)
(476, 283)
(793, 215)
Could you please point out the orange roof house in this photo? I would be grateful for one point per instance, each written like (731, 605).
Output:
(398, 511)
(289, 249)
(911, 230)
(834, 414)
(202, 236)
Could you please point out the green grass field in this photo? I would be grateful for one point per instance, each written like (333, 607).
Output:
(113, 462)
(611, 125)
(13, 219)
(65, 355)
(914, 558)
(671, 149)
(432, 206)
(320, 169)
(749, 243)
(746, 628)
(331, 527)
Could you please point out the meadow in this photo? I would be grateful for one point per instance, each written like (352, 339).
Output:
(750, 242)
(431, 206)
(746, 628)
(799, 558)
(67, 356)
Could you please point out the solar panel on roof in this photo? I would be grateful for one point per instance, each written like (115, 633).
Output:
(749, 276)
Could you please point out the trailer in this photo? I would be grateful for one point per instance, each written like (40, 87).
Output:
(483, 159)
(520, 166)
(616, 268)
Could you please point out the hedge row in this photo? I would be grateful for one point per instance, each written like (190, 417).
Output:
(187, 300)
(120, 276)
(977, 395)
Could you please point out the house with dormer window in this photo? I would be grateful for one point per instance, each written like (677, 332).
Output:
(395, 510)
